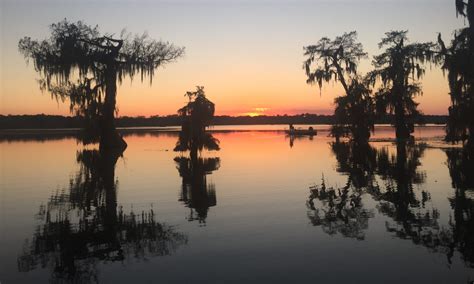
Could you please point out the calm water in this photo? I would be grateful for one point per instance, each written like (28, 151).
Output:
(263, 209)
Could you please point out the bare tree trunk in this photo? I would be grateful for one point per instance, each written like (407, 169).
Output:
(401, 129)
(109, 137)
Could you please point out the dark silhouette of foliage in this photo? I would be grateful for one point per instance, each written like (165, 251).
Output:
(82, 226)
(458, 61)
(196, 115)
(83, 65)
(337, 60)
(399, 68)
(354, 114)
(55, 121)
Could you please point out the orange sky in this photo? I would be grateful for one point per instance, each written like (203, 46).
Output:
(248, 56)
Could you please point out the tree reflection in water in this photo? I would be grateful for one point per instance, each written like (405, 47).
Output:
(341, 209)
(461, 225)
(82, 226)
(412, 219)
(391, 179)
(196, 193)
(293, 138)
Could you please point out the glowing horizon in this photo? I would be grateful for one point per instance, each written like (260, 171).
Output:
(247, 55)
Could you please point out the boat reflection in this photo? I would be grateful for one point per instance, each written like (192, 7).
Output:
(293, 138)
(82, 226)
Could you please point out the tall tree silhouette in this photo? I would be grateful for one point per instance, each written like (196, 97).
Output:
(196, 115)
(337, 60)
(399, 68)
(83, 65)
(458, 61)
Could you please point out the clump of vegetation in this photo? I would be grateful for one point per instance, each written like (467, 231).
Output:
(458, 61)
(83, 65)
(196, 115)
(399, 68)
(338, 60)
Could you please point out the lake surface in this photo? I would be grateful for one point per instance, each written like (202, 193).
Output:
(263, 209)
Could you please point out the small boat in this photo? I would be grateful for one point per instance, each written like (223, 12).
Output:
(301, 132)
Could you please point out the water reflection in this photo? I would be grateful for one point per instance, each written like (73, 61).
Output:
(293, 138)
(412, 219)
(390, 179)
(196, 193)
(341, 210)
(82, 225)
(460, 234)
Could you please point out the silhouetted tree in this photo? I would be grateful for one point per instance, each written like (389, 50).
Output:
(399, 68)
(354, 114)
(81, 226)
(76, 51)
(458, 61)
(196, 115)
(337, 60)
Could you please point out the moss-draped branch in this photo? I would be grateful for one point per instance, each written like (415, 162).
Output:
(74, 60)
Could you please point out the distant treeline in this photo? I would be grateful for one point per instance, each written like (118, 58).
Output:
(57, 121)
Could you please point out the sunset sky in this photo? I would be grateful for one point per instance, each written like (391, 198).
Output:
(247, 54)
